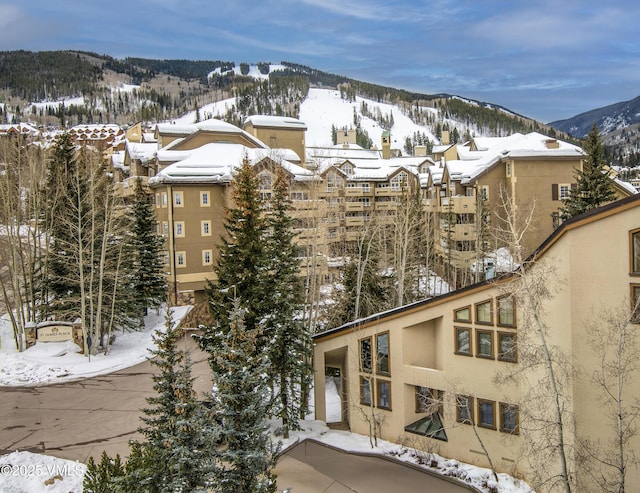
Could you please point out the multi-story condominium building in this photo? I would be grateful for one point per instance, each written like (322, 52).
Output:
(467, 195)
(435, 373)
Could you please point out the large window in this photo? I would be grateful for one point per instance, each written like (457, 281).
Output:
(384, 394)
(506, 311)
(179, 225)
(509, 418)
(464, 409)
(463, 341)
(484, 343)
(487, 414)
(635, 252)
(365, 391)
(365, 355)
(483, 313)
(635, 303)
(205, 228)
(207, 256)
(382, 353)
(181, 259)
(428, 400)
(204, 199)
(462, 314)
(507, 347)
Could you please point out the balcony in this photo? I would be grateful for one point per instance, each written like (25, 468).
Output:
(357, 206)
(458, 204)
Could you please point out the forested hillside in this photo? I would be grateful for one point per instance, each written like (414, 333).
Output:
(39, 87)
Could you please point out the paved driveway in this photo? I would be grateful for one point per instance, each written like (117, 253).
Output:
(76, 420)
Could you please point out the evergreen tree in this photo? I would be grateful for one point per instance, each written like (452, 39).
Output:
(594, 187)
(180, 436)
(149, 282)
(241, 265)
(241, 401)
(289, 341)
(101, 477)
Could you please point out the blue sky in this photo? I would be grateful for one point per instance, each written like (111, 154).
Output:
(544, 59)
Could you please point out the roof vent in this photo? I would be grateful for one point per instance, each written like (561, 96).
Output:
(552, 144)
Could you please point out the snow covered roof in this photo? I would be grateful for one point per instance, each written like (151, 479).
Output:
(143, 152)
(216, 163)
(211, 125)
(275, 121)
(483, 152)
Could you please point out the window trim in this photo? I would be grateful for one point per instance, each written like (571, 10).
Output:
(181, 225)
(498, 310)
(457, 347)
(377, 359)
(469, 407)
(464, 320)
(503, 406)
(205, 193)
(475, 312)
(435, 397)
(204, 253)
(178, 202)
(202, 225)
(379, 383)
(478, 333)
(182, 265)
(493, 408)
(500, 354)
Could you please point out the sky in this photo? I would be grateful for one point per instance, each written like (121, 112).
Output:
(545, 59)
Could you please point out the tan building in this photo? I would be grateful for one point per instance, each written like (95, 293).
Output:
(427, 370)
(465, 194)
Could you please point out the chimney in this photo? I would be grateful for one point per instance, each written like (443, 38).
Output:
(445, 138)
(386, 144)
(420, 151)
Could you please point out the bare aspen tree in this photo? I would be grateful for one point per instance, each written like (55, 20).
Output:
(22, 239)
(544, 371)
(615, 343)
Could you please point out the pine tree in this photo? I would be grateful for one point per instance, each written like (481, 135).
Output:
(241, 401)
(241, 266)
(289, 341)
(149, 282)
(177, 454)
(593, 182)
(100, 477)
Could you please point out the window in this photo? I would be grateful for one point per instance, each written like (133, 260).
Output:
(635, 252)
(484, 344)
(384, 394)
(428, 400)
(508, 169)
(463, 341)
(178, 199)
(366, 364)
(179, 225)
(484, 192)
(365, 391)
(157, 200)
(635, 303)
(165, 228)
(507, 348)
(506, 311)
(382, 353)
(487, 414)
(204, 199)
(205, 228)
(181, 259)
(462, 314)
(206, 257)
(163, 196)
(564, 190)
(464, 409)
(483, 313)
(509, 418)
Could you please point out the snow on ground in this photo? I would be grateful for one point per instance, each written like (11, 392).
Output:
(55, 362)
(55, 105)
(212, 110)
(26, 472)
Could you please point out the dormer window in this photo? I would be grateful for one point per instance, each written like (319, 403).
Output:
(348, 168)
